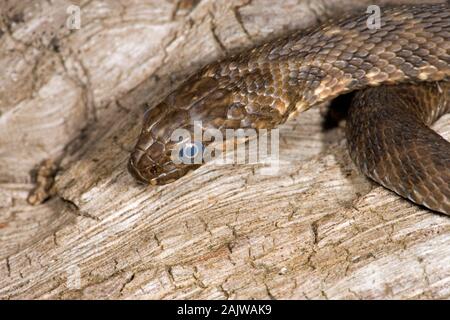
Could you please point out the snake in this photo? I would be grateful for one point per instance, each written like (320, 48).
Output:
(397, 73)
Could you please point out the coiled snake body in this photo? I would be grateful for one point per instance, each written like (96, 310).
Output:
(400, 69)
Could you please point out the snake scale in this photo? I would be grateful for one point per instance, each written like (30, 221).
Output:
(399, 73)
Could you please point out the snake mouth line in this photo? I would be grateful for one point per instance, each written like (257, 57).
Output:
(134, 165)
(135, 172)
(151, 173)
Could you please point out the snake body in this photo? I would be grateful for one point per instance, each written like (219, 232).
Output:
(387, 128)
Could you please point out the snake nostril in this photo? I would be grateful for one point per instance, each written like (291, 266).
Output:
(141, 165)
(153, 170)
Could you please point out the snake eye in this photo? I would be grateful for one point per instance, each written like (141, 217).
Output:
(190, 151)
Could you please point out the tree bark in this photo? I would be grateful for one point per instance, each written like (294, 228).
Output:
(317, 229)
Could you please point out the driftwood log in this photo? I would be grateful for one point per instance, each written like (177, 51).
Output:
(317, 229)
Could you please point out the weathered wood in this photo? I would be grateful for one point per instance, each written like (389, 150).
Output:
(316, 229)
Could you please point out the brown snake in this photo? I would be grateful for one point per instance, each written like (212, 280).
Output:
(387, 127)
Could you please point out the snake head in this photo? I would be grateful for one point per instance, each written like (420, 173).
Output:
(154, 159)
(167, 147)
(216, 98)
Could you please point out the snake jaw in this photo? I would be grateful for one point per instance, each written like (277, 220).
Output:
(132, 169)
(143, 173)
(156, 169)
(136, 164)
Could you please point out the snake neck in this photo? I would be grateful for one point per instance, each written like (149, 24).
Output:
(306, 68)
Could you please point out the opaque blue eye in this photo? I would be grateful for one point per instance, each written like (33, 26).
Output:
(190, 150)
